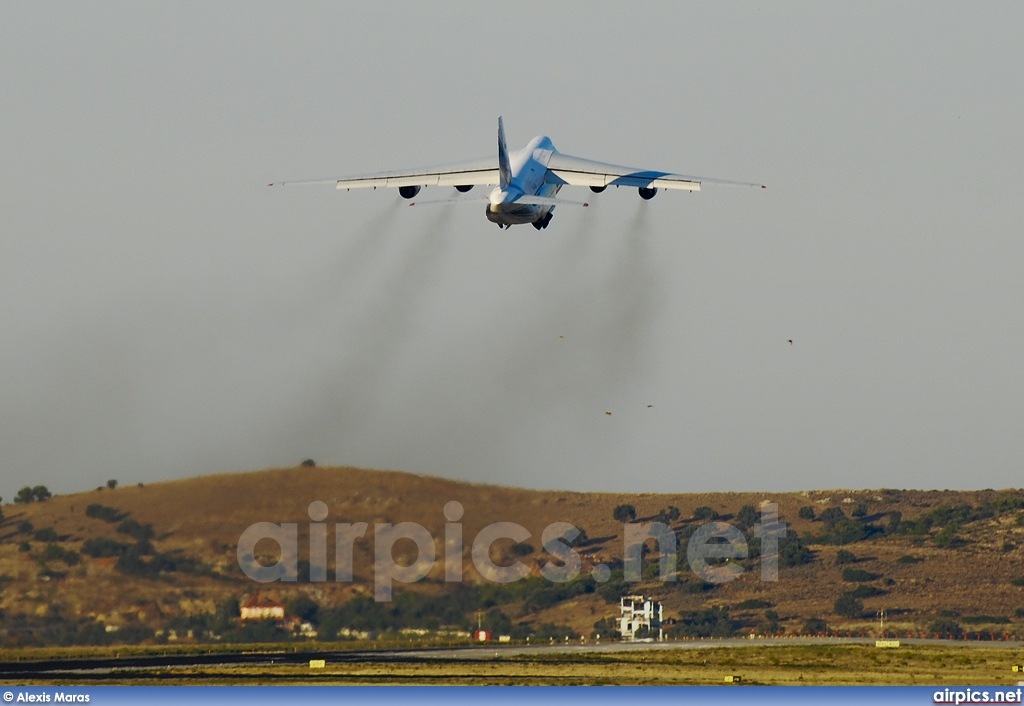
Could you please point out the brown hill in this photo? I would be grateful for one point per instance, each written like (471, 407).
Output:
(198, 521)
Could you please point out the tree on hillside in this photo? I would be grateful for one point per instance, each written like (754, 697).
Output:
(806, 512)
(747, 517)
(521, 549)
(668, 515)
(815, 626)
(947, 538)
(47, 534)
(303, 607)
(496, 621)
(705, 513)
(792, 551)
(946, 627)
(844, 556)
(847, 532)
(895, 518)
(227, 613)
(831, 516)
(853, 575)
(24, 496)
(624, 513)
(860, 511)
(770, 624)
(607, 628)
(849, 606)
(112, 483)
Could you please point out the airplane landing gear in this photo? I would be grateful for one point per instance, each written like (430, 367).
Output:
(540, 225)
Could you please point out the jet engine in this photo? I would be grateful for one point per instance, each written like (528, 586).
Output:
(407, 192)
(647, 194)
(463, 188)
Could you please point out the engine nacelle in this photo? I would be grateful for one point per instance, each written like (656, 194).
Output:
(407, 192)
(647, 194)
(463, 188)
(598, 189)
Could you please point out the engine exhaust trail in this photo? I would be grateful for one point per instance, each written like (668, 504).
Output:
(350, 389)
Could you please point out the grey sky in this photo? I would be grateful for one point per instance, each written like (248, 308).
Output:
(165, 314)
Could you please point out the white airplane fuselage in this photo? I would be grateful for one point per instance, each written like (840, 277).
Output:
(529, 167)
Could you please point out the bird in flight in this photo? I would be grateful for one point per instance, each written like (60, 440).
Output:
(526, 182)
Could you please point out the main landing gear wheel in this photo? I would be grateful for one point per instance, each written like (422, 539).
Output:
(540, 225)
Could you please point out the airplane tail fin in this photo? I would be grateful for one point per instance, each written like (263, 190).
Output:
(504, 168)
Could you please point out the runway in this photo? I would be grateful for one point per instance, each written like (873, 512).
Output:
(211, 666)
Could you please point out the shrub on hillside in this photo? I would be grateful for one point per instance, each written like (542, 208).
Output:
(830, 516)
(135, 530)
(848, 606)
(607, 628)
(848, 532)
(946, 627)
(793, 552)
(668, 515)
(97, 547)
(102, 512)
(747, 517)
(47, 534)
(948, 538)
(815, 626)
(705, 514)
(39, 493)
(844, 556)
(770, 624)
(865, 591)
(806, 512)
(521, 549)
(985, 619)
(709, 622)
(624, 513)
(52, 552)
(852, 574)
(895, 518)
(303, 607)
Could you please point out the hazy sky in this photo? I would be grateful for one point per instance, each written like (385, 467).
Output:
(165, 314)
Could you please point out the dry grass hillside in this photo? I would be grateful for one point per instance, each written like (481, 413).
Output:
(917, 575)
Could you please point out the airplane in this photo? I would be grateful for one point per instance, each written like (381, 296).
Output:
(525, 182)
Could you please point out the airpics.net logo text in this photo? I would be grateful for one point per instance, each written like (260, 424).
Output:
(711, 552)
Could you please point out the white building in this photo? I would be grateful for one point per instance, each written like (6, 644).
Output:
(639, 612)
(261, 608)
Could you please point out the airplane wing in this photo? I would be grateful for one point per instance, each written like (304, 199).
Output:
(477, 172)
(575, 171)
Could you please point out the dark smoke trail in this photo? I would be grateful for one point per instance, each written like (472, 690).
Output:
(348, 395)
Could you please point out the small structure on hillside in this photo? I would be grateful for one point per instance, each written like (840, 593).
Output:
(640, 619)
(259, 607)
